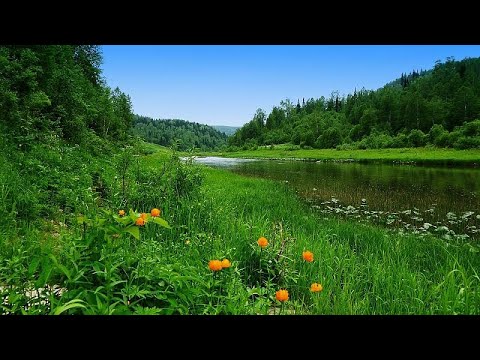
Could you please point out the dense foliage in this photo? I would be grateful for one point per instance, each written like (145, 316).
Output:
(59, 124)
(185, 134)
(57, 91)
(440, 107)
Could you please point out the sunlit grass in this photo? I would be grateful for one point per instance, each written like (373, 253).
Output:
(213, 259)
(423, 155)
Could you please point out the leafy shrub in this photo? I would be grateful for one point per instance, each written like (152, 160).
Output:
(329, 139)
(400, 141)
(416, 138)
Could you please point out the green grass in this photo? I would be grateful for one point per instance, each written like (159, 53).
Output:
(421, 155)
(363, 269)
(105, 268)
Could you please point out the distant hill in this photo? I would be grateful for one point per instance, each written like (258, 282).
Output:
(189, 134)
(227, 130)
(438, 107)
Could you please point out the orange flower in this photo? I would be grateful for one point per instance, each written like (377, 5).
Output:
(307, 256)
(140, 221)
(121, 212)
(281, 295)
(215, 265)
(155, 212)
(316, 287)
(226, 263)
(143, 216)
(262, 242)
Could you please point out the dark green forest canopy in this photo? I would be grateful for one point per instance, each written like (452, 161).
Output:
(187, 135)
(438, 107)
(61, 127)
(57, 91)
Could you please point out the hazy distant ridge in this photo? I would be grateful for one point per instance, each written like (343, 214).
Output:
(227, 130)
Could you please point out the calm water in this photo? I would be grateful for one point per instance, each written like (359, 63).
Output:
(401, 195)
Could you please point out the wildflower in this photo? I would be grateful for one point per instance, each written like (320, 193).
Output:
(143, 216)
(140, 221)
(226, 263)
(281, 295)
(155, 212)
(307, 256)
(215, 265)
(121, 212)
(262, 242)
(316, 287)
(187, 242)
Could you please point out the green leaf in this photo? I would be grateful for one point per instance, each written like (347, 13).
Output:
(81, 219)
(133, 230)
(161, 222)
(44, 275)
(75, 303)
(124, 220)
(33, 266)
(133, 215)
(115, 283)
(60, 266)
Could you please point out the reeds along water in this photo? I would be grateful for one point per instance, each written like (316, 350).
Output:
(440, 200)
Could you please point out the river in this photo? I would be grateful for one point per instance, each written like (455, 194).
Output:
(440, 200)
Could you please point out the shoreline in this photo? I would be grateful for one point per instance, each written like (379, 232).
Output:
(415, 157)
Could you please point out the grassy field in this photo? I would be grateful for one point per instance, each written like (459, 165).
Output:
(419, 155)
(103, 262)
(363, 269)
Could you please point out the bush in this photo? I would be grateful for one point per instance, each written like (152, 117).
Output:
(329, 139)
(467, 143)
(377, 141)
(416, 138)
(438, 136)
(471, 128)
(400, 141)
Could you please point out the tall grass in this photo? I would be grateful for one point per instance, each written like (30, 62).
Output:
(363, 269)
(93, 261)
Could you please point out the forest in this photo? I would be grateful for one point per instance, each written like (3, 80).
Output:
(184, 134)
(438, 107)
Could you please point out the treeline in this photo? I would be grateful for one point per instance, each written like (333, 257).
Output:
(57, 91)
(60, 127)
(438, 107)
(184, 134)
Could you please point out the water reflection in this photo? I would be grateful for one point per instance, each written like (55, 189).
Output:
(220, 162)
(432, 192)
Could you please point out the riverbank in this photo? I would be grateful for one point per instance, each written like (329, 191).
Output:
(209, 261)
(363, 269)
(418, 156)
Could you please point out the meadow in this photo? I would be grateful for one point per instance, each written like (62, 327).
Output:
(421, 155)
(164, 236)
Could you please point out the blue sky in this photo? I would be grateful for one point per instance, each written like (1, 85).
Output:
(226, 84)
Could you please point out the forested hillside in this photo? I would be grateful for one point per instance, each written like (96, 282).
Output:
(186, 134)
(58, 91)
(439, 107)
(228, 130)
(59, 123)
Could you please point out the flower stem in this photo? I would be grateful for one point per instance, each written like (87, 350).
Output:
(261, 270)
